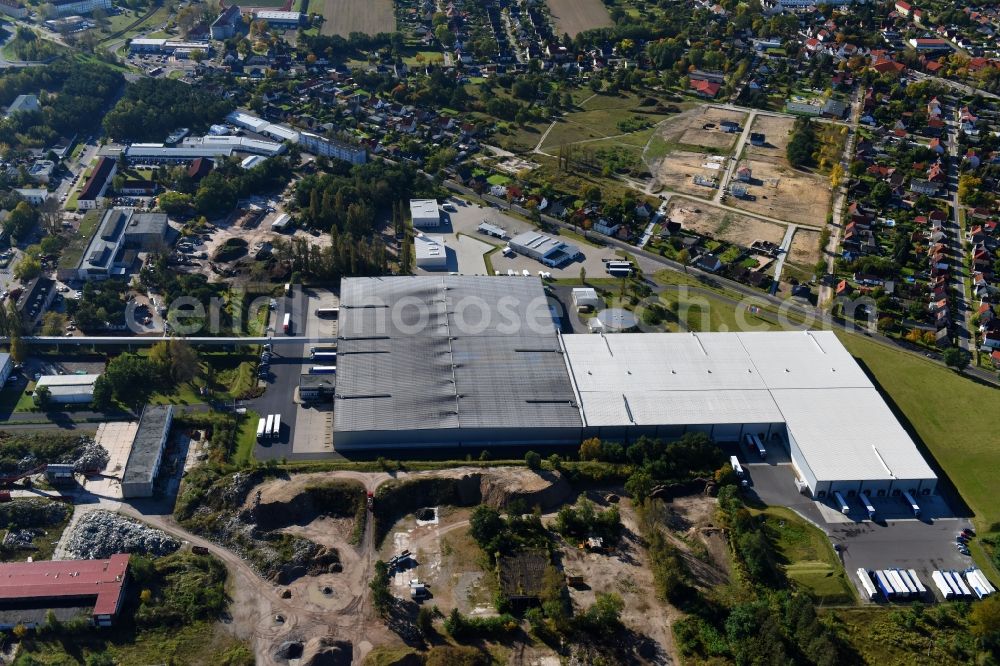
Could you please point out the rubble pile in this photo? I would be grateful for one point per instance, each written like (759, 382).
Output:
(100, 534)
(90, 456)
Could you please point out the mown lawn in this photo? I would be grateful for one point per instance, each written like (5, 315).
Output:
(810, 562)
(247, 440)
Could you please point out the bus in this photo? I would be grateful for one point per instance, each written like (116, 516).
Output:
(841, 502)
(866, 584)
(331, 313)
(323, 370)
(325, 356)
(269, 427)
(287, 325)
(261, 426)
(912, 502)
(276, 433)
(869, 507)
(619, 271)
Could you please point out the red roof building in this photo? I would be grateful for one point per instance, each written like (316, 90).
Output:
(45, 583)
(705, 88)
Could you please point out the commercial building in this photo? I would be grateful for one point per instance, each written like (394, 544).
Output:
(585, 298)
(35, 196)
(324, 147)
(425, 213)
(178, 49)
(147, 451)
(449, 360)
(307, 141)
(67, 7)
(41, 171)
(474, 361)
(68, 389)
(207, 147)
(545, 249)
(317, 388)
(29, 590)
(92, 194)
(431, 254)
(24, 104)
(226, 24)
(13, 8)
(280, 19)
(121, 235)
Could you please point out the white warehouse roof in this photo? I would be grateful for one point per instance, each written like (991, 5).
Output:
(421, 208)
(850, 433)
(807, 380)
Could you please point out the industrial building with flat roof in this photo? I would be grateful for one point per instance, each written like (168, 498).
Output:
(474, 361)
(28, 590)
(121, 234)
(147, 451)
(450, 360)
(68, 389)
(425, 213)
(431, 254)
(549, 251)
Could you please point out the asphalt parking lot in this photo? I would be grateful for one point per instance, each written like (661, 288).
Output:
(895, 539)
(306, 431)
(465, 244)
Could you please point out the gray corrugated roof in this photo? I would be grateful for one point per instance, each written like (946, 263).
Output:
(146, 445)
(449, 352)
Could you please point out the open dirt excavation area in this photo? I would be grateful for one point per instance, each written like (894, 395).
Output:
(701, 127)
(805, 250)
(785, 193)
(329, 616)
(707, 220)
(691, 173)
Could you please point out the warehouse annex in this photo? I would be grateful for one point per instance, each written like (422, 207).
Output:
(477, 361)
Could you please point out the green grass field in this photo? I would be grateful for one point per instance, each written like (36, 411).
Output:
(247, 440)
(810, 560)
(955, 417)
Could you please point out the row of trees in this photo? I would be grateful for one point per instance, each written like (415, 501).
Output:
(131, 379)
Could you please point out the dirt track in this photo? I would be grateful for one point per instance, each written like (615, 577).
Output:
(309, 613)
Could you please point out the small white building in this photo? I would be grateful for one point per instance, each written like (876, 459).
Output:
(430, 253)
(68, 389)
(585, 297)
(35, 196)
(425, 213)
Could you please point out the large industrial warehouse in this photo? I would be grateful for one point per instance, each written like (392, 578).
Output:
(477, 361)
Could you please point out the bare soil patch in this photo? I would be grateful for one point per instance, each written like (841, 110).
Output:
(575, 16)
(805, 249)
(677, 172)
(342, 17)
(786, 194)
(777, 131)
(718, 223)
(701, 126)
(626, 572)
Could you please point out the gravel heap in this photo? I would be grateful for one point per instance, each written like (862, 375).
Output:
(100, 534)
(90, 456)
